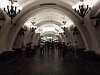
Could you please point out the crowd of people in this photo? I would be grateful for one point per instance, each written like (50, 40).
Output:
(68, 50)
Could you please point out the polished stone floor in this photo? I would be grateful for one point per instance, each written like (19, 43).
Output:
(49, 62)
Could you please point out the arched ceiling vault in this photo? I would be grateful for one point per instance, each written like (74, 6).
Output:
(24, 3)
(46, 22)
(49, 16)
(22, 18)
(32, 6)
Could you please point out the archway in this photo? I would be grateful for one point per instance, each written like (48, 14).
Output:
(68, 13)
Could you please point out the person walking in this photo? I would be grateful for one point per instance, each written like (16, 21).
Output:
(75, 49)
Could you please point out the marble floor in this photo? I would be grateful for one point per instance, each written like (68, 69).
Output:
(49, 62)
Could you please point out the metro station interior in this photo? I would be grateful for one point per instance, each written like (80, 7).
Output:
(49, 37)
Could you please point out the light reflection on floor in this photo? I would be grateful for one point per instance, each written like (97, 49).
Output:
(49, 62)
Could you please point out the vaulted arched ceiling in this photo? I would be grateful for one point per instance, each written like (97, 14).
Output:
(41, 14)
(47, 18)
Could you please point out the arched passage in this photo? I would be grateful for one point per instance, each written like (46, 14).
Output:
(73, 18)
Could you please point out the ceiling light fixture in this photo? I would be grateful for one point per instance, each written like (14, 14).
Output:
(64, 21)
(12, 9)
(82, 9)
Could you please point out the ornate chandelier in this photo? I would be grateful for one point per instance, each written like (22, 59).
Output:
(82, 9)
(12, 9)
